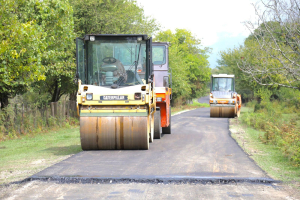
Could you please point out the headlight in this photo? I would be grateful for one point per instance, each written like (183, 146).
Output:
(158, 99)
(137, 96)
(89, 96)
(92, 38)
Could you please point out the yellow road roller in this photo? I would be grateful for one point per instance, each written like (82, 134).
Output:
(224, 101)
(115, 98)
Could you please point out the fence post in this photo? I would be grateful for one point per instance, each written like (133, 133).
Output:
(22, 124)
(47, 121)
(64, 110)
(16, 115)
(34, 116)
(68, 109)
(59, 113)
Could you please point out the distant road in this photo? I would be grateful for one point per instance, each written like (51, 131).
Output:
(204, 99)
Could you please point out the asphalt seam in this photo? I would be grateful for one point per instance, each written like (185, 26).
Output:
(149, 180)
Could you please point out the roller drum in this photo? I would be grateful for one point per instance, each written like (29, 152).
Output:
(157, 125)
(97, 133)
(226, 112)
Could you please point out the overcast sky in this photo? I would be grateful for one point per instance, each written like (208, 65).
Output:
(218, 23)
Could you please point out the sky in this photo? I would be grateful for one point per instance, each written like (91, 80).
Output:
(217, 23)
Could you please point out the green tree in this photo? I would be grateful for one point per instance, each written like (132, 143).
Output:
(111, 17)
(188, 61)
(21, 51)
(36, 47)
(244, 84)
(55, 18)
(276, 59)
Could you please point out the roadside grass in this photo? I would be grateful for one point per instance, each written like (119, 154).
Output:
(27, 155)
(267, 156)
(193, 106)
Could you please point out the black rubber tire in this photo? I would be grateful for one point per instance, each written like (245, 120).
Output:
(167, 130)
(157, 125)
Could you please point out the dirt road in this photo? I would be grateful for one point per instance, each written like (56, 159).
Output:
(199, 160)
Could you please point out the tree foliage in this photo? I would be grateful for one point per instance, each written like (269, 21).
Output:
(189, 64)
(37, 46)
(272, 56)
(244, 84)
(21, 51)
(37, 49)
(111, 17)
(55, 17)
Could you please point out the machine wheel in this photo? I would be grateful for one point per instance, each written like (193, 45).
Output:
(151, 134)
(98, 133)
(157, 125)
(214, 112)
(226, 112)
(167, 130)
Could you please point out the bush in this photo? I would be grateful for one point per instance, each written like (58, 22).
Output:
(280, 123)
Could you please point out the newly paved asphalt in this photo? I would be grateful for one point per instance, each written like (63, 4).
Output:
(199, 147)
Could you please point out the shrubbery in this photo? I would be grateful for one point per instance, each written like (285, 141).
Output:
(280, 122)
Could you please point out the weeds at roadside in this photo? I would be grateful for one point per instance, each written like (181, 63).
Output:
(267, 156)
(280, 126)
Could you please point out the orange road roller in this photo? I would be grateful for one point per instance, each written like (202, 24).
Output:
(224, 101)
(163, 82)
(115, 100)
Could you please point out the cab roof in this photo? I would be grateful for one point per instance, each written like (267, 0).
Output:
(145, 37)
(160, 43)
(223, 75)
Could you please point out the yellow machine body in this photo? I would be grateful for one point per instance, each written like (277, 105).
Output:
(115, 124)
(115, 113)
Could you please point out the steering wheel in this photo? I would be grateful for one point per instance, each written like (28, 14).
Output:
(109, 60)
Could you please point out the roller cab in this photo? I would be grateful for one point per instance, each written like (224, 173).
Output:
(115, 98)
(163, 88)
(224, 101)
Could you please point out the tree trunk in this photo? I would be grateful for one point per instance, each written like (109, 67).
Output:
(3, 100)
(56, 92)
(73, 95)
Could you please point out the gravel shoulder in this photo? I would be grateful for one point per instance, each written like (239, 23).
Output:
(50, 190)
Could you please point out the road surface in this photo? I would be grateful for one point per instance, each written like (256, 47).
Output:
(199, 160)
(198, 148)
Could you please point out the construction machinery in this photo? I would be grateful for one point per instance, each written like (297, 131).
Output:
(224, 101)
(115, 99)
(163, 89)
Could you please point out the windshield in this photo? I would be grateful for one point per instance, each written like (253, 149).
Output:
(115, 61)
(222, 84)
(159, 57)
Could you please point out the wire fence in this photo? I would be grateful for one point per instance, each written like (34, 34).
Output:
(22, 118)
